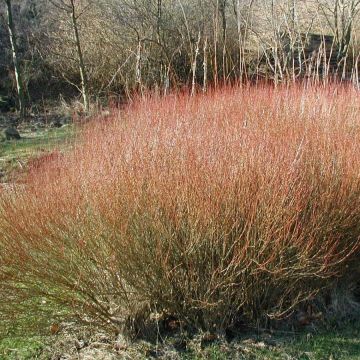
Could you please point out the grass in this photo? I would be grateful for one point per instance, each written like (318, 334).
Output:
(20, 348)
(14, 154)
(339, 344)
(344, 344)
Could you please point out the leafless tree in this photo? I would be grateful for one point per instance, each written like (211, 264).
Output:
(15, 57)
(75, 12)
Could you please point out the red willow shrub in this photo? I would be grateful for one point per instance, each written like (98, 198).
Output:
(237, 204)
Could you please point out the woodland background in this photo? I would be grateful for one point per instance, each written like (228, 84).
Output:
(104, 49)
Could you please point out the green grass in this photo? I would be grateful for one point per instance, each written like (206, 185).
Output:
(20, 348)
(340, 344)
(15, 153)
(35, 142)
(19, 340)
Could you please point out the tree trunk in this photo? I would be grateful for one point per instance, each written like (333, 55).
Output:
(83, 75)
(14, 48)
(222, 9)
(159, 19)
(205, 65)
(194, 65)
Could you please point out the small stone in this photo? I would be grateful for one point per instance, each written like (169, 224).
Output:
(56, 123)
(11, 133)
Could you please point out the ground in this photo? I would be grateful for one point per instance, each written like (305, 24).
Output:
(342, 343)
(338, 342)
(36, 140)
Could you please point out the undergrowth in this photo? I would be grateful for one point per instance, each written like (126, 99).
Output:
(229, 208)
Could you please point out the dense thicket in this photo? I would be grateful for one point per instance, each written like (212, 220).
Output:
(140, 44)
(230, 207)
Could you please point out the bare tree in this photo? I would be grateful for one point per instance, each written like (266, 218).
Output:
(15, 57)
(340, 16)
(107, 48)
(69, 6)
